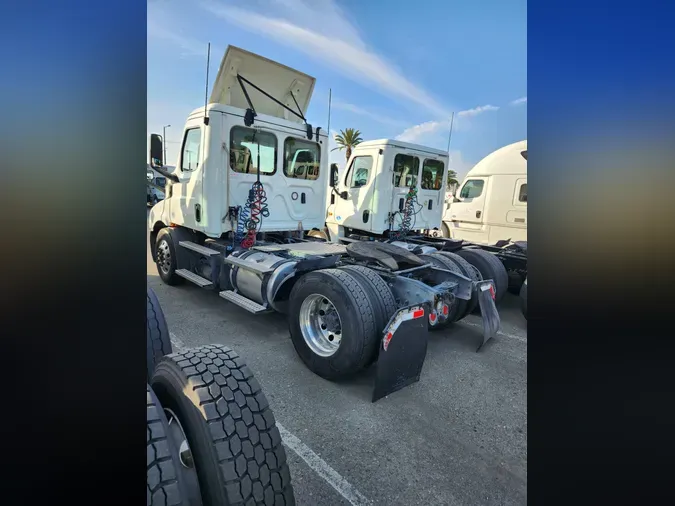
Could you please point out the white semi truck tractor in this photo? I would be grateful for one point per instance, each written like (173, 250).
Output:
(250, 182)
(394, 192)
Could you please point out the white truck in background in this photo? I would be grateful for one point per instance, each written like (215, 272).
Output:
(491, 204)
(394, 192)
(251, 182)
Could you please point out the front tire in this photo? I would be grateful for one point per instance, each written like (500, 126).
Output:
(165, 259)
(230, 429)
(332, 303)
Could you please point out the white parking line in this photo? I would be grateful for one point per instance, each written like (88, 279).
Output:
(500, 333)
(177, 344)
(316, 463)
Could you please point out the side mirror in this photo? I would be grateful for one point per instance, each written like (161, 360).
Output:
(156, 151)
(333, 176)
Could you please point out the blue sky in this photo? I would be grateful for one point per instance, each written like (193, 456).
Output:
(397, 69)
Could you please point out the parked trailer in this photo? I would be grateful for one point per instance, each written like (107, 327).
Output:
(211, 435)
(393, 191)
(235, 221)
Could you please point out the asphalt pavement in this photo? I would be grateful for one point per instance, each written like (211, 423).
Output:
(457, 437)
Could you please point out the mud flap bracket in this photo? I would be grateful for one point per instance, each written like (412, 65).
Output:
(402, 350)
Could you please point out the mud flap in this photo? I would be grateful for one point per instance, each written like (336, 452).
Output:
(403, 349)
(488, 311)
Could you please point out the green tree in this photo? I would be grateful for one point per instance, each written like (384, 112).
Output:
(452, 179)
(348, 139)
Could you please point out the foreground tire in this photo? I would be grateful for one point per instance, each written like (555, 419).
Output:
(164, 483)
(158, 341)
(230, 429)
(523, 299)
(166, 259)
(332, 323)
(468, 271)
(490, 267)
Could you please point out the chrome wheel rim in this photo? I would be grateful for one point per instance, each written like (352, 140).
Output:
(164, 257)
(321, 325)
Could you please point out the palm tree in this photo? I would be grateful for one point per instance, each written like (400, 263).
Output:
(348, 139)
(452, 179)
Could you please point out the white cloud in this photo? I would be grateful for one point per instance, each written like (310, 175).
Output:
(338, 104)
(477, 110)
(322, 31)
(189, 47)
(417, 132)
(519, 101)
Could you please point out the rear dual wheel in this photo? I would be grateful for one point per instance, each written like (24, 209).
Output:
(335, 320)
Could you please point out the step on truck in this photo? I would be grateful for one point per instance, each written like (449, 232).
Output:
(237, 217)
(394, 192)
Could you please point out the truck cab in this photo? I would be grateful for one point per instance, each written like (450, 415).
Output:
(370, 195)
(491, 204)
(253, 130)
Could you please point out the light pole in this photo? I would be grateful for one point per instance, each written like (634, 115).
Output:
(164, 140)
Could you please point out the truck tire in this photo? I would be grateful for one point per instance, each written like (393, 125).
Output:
(460, 307)
(380, 295)
(164, 483)
(230, 429)
(325, 294)
(523, 299)
(515, 282)
(165, 258)
(158, 340)
(490, 267)
(467, 270)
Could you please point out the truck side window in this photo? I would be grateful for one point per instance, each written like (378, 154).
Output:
(360, 170)
(406, 170)
(432, 174)
(522, 194)
(301, 159)
(472, 189)
(246, 145)
(189, 158)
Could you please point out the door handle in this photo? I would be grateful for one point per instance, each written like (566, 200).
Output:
(400, 205)
(198, 213)
(429, 204)
(478, 213)
(302, 198)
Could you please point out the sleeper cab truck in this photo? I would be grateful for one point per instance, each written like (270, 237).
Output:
(491, 204)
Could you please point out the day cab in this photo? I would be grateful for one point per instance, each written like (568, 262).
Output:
(245, 134)
(492, 201)
(369, 196)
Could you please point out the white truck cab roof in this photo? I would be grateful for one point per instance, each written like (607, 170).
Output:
(511, 159)
(291, 87)
(400, 144)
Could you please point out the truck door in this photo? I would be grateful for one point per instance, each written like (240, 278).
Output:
(406, 173)
(187, 209)
(301, 167)
(431, 194)
(356, 212)
(467, 214)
